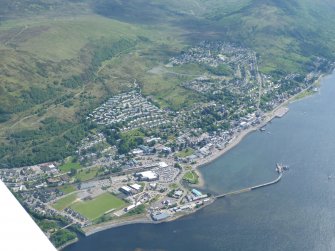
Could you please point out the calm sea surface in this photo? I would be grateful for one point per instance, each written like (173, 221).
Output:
(298, 213)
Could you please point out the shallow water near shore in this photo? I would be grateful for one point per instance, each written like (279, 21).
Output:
(298, 213)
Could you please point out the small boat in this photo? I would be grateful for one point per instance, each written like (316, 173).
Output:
(262, 129)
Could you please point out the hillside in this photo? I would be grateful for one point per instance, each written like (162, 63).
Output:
(60, 59)
(285, 33)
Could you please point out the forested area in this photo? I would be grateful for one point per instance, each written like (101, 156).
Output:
(53, 141)
(124, 141)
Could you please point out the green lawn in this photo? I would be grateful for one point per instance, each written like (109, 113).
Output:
(86, 174)
(173, 186)
(67, 166)
(64, 202)
(304, 94)
(184, 153)
(191, 177)
(67, 189)
(96, 207)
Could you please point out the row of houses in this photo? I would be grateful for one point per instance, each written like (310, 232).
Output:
(130, 109)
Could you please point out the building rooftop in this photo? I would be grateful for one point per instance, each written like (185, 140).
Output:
(136, 186)
(160, 216)
(196, 192)
(126, 188)
(163, 164)
(148, 175)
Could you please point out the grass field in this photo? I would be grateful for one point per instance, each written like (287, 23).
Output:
(191, 177)
(67, 189)
(304, 94)
(64, 202)
(166, 89)
(86, 174)
(96, 207)
(184, 153)
(68, 165)
(173, 186)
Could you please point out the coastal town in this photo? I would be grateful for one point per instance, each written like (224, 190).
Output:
(139, 162)
(150, 185)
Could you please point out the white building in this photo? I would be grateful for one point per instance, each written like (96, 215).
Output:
(126, 190)
(147, 176)
(162, 164)
(137, 152)
(136, 187)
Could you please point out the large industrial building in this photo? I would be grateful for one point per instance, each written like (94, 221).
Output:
(136, 187)
(147, 176)
(160, 216)
(126, 190)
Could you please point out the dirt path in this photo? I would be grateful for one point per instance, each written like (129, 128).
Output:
(16, 35)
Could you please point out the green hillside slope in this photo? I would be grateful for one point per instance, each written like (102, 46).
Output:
(59, 59)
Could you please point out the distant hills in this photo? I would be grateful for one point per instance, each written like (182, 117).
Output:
(286, 32)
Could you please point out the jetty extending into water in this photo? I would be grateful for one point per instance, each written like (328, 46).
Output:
(280, 169)
(280, 112)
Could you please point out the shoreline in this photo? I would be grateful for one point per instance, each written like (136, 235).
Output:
(277, 112)
(140, 220)
(68, 243)
(269, 116)
(108, 225)
(144, 220)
